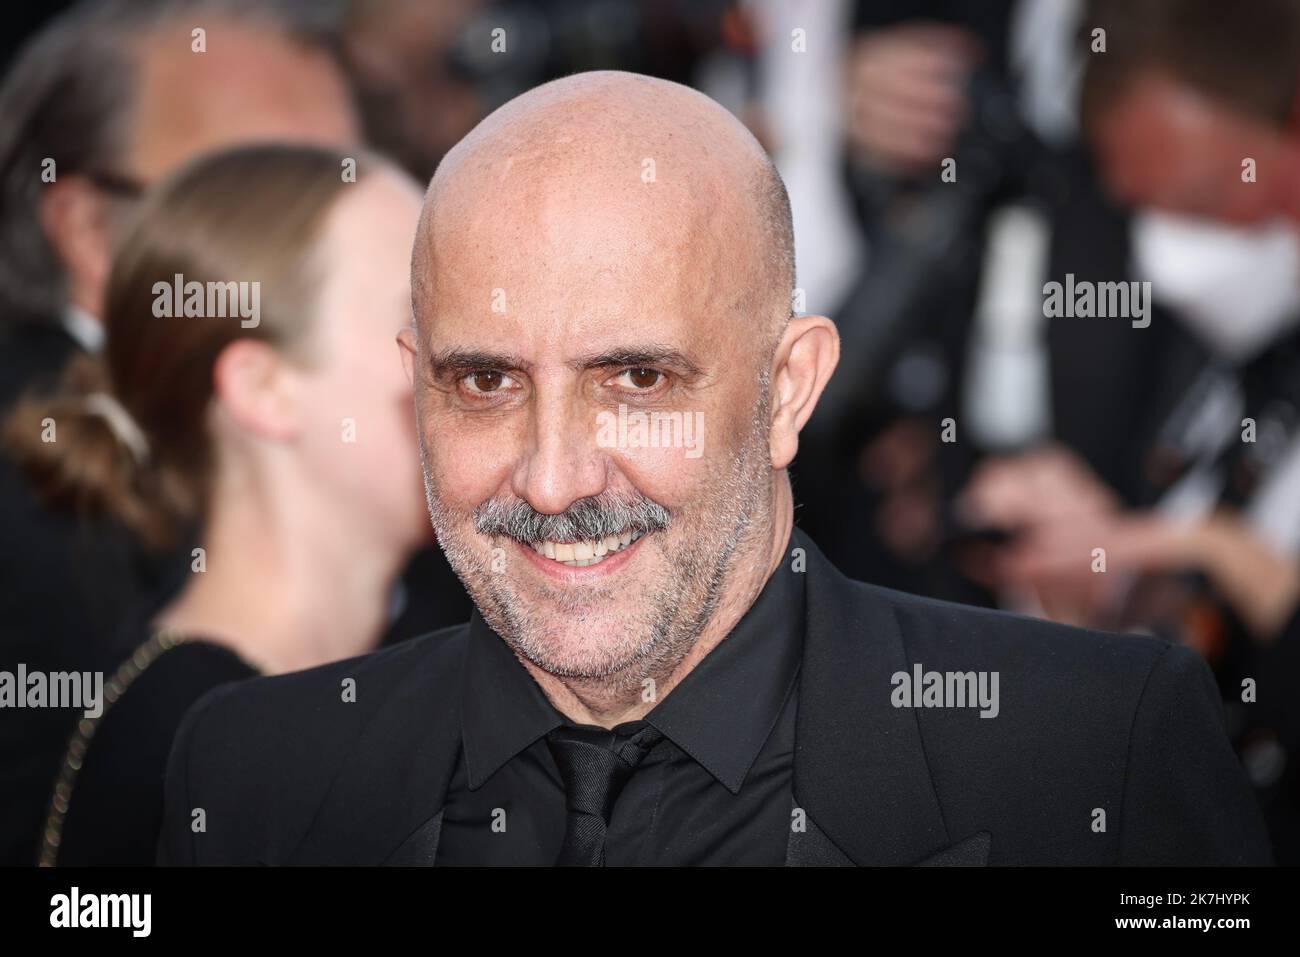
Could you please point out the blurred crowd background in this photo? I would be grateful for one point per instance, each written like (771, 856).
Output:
(945, 160)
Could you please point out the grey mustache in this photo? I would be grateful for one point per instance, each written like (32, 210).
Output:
(587, 518)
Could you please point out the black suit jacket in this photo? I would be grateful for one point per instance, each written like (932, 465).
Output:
(1106, 749)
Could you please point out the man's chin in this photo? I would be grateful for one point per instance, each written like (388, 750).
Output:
(569, 656)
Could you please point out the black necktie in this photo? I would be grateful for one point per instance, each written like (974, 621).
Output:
(594, 764)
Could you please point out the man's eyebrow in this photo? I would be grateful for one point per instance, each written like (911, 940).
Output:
(639, 356)
(450, 361)
(454, 360)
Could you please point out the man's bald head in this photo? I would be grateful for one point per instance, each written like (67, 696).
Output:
(675, 175)
(609, 382)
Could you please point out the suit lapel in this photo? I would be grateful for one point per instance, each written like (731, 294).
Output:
(860, 768)
(421, 848)
(385, 803)
(972, 852)
(809, 846)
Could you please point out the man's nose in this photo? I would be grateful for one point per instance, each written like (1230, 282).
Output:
(563, 462)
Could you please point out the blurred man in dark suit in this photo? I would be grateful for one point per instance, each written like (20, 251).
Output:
(105, 100)
(662, 670)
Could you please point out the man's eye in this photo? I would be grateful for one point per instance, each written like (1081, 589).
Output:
(486, 381)
(641, 379)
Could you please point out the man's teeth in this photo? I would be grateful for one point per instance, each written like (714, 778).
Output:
(582, 554)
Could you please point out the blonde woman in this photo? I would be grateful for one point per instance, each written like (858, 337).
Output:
(250, 387)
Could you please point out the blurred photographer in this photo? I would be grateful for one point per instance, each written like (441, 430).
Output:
(1192, 112)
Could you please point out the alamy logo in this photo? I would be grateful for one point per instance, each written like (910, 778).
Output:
(651, 430)
(102, 910)
(1100, 300)
(946, 689)
(55, 689)
(208, 300)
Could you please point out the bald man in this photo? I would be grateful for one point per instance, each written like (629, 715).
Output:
(662, 670)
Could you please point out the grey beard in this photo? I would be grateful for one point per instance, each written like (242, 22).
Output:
(680, 608)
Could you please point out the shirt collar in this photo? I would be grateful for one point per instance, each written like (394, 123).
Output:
(503, 710)
(720, 714)
(83, 327)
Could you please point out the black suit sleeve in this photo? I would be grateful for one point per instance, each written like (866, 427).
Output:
(1186, 798)
(176, 845)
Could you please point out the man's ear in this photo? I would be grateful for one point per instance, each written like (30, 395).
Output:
(75, 218)
(409, 345)
(805, 358)
(258, 390)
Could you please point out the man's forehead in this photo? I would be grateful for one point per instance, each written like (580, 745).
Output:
(565, 257)
(596, 213)
(604, 297)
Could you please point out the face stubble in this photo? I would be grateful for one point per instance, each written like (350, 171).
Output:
(660, 626)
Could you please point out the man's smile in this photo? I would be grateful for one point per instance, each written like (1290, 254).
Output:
(583, 553)
(583, 561)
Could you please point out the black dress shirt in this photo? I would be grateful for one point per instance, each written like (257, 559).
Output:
(716, 790)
